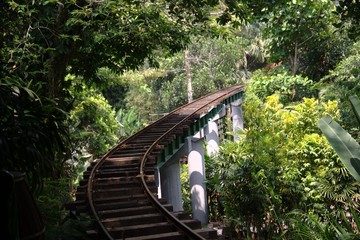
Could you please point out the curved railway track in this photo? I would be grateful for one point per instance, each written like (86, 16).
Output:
(119, 190)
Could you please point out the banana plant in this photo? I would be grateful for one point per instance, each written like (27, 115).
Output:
(342, 142)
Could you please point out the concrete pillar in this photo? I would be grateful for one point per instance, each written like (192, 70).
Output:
(212, 132)
(169, 178)
(237, 116)
(171, 185)
(196, 164)
(212, 138)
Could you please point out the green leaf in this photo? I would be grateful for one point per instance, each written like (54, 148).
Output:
(344, 145)
(355, 104)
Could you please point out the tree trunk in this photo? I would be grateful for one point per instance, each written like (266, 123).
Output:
(294, 60)
(58, 62)
(56, 76)
(188, 76)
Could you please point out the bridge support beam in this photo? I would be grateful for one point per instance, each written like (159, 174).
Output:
(212, 138)
(170, 179)
(196, 164)
(171, 186)
(237, 117)
(212, 133)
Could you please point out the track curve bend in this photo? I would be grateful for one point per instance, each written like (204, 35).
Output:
(119, 190)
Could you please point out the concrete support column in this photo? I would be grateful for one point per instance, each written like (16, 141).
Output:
(237, 116)
(212, 132)
(170, 184)
(212, 138)
(196, 164)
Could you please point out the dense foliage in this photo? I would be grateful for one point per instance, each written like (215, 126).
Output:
(343, 82)
(44, 122)
(76, 76)
(32, 131)
(289, 88)
(281, 163)
(92, 116)
(43, 41)
(214, 65)
(293, 29)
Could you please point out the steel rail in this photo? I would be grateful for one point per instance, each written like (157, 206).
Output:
(179, 225)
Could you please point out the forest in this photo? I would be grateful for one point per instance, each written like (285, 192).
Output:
(78, 76)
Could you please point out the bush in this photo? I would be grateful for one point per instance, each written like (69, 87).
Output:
(280, 163)
(278, 81)
(93, 124)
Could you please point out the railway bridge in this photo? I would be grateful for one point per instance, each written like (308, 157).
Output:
(134, 191)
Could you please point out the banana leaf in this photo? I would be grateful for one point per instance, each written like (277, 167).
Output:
(344, 145)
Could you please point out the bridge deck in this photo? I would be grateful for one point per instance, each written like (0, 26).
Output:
(119, 190)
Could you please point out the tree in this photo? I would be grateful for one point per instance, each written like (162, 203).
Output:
(49, 36)
(215, 64)
(342, 82)
(349, 14)
(295, 27)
